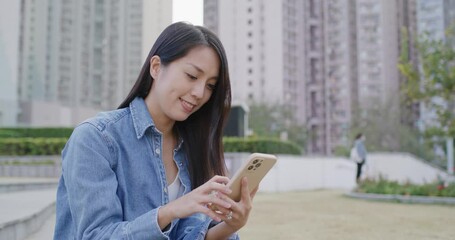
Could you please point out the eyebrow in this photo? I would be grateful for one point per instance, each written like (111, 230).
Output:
(197, 68)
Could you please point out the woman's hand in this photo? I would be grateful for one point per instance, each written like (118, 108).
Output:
(213, 192)
(240, 210)
(233, 221)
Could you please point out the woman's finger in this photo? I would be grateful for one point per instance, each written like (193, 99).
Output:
(219, 179)
(245, 192)
(253, 193)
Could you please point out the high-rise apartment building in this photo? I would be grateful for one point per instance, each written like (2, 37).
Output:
(80, 57)
(339, 75)
(9, 49)
(407, 17)
(156, 15)
(330, 60)
(263, 46)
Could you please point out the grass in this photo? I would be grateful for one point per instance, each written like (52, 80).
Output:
(330, 215)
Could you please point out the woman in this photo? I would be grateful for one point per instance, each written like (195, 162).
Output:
(147, 169)
(360, 154)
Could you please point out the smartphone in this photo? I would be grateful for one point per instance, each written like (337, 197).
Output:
(255, 169)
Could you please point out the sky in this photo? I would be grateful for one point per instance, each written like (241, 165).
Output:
(188, 10)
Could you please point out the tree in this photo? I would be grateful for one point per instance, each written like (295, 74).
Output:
(432, 82)
(385, 132)
(271, 120)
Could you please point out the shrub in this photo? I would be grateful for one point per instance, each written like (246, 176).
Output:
(342, 151)
(31, 146)
(382, 186)
(272, 146)
(35, 132)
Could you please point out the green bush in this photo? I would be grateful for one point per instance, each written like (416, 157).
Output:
(382, 186)
(272, 146)
(35, 132)
(54, 145)
(31, 146)
(342, 151)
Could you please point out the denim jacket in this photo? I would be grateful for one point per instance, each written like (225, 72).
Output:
(113, 181)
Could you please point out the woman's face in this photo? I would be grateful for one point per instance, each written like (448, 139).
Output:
(184, 85)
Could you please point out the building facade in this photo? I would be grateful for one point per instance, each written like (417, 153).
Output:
(329, 60)
(9, 51)
(81, 57)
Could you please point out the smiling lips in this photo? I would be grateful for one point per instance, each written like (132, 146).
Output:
(187, 106)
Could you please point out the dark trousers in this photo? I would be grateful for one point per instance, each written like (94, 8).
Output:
(359, 169)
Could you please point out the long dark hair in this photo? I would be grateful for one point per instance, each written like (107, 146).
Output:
(202, 131)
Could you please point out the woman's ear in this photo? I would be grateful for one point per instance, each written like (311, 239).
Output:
(155, 64)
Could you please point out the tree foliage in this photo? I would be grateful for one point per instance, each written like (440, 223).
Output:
(433, 82)
(271, 120)
(385, 132)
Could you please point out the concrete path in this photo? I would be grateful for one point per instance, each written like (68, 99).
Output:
(24, 206)
(46, 232)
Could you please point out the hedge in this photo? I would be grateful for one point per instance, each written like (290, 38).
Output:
(31, 146)
(54, 145)
(35, 132)
(272, 146)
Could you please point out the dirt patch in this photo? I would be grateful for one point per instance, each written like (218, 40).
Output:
(330, 215)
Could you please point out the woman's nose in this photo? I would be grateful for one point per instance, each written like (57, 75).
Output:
(198, 89)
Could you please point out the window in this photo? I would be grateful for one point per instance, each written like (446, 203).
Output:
(313, 104)
(314, 138)
(313, 37)
(312, 9)
(313, 69)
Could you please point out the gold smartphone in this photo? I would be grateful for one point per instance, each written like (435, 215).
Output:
(255, 169)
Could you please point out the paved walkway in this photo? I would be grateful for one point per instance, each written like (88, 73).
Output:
(46, 232)
(24, 204)
(19, 205)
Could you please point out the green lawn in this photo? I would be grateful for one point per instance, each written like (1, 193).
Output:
(330, 215)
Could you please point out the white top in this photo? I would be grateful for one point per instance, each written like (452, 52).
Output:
(175, 189)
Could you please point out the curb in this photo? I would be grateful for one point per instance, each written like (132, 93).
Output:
(21, 228)
(402, 198)
(14, 187)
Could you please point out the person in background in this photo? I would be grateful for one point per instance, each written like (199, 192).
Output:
(152, 168)
(359, 154)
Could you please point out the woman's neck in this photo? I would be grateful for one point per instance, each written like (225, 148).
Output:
(163, 123)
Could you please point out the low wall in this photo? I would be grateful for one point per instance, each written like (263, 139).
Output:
(290, 173)
(293, 173)
(30, 166)
(403, 167)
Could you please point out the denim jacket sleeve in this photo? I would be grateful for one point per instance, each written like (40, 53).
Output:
(87, 166)
(187, 230)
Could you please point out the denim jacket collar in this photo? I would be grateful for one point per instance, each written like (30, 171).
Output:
(141, 116)
(142, 119)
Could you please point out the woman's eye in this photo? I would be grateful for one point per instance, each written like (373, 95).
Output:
(211, 87)
(191, 76)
